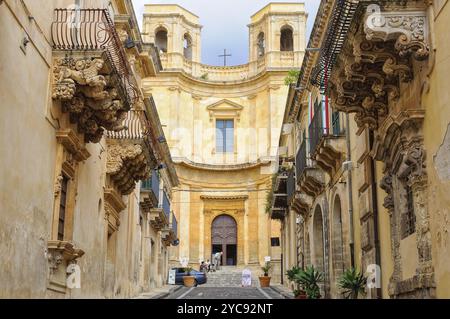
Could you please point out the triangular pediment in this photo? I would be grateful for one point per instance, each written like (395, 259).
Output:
(225, 105)
(225, 108)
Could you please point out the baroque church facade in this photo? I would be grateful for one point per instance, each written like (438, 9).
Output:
(222, 126)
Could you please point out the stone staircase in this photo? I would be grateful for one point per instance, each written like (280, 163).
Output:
(229, 276)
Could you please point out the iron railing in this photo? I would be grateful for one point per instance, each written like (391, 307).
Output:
(174, 224)
(301, 160)
(93, 30)
(166, 206)
(336, 34)
(290, 185)
(152, 184)
(316, 128)
(336, 128)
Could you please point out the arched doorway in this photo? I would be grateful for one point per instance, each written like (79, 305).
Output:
(337, 240)
(224, 238)
(319, 261)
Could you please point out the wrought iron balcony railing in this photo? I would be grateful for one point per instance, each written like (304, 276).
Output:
(301, 160)
(317, 129)
(166, 205)
(152, 184)
(290, 185)
(174, 225)
(93, 30)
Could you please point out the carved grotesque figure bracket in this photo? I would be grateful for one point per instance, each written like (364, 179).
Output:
(91, 93)
(407, 28)
(60, 251)
(127, 164)
(375, 60)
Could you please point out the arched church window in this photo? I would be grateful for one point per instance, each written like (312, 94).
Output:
(187, 46)
(261, 44)
(286, 39)
(161, 39)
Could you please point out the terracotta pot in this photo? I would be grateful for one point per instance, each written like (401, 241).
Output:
(264, 281)
(301, 295)
(189, 281)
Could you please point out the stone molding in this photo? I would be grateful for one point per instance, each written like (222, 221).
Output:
(113, 206)
(61, 251)
(72, 144)
(407, 28)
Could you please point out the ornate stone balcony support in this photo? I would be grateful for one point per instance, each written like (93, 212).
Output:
(169, 233)
(376, 59)
(312, 181)
(330, 153)
(302, 203)
(158, 219)
(91, 75)
(127, 164)
(59, 251)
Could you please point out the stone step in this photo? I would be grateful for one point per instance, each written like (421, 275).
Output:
(228, 277)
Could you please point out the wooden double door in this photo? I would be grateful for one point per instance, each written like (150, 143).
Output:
(224, 239)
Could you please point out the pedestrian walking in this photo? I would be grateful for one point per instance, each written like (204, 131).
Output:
(217, 260)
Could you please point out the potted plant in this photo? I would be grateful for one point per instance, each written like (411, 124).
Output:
(264, 281)
(299, 293)
(188, 280)
(308, 279)
(352, 283)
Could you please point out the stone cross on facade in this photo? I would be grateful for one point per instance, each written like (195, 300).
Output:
(224, 55)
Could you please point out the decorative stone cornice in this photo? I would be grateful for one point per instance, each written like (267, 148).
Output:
(91, 93)
(376, 60)
(407, 28)
(113, 206)
(127, 164)
(72, 144)
(223, 197)
(59, 251)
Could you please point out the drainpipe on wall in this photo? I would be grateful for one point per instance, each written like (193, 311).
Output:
(350, 194)
(375, 212)
(281, 281)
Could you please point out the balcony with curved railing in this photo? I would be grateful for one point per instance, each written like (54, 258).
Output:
(327, 142)
(91, 31)
(308, 176)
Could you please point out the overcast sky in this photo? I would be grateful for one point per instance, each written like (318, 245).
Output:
(225, 24)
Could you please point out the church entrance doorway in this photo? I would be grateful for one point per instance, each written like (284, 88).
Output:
(224, 239)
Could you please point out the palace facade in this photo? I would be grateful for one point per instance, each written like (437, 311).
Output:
(363, 180)
(86, 177)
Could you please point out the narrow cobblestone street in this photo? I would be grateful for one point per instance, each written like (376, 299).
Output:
(225, 293)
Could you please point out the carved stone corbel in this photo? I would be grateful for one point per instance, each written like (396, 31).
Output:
(127, 164)
(407, 28)
(92, 95)
(59, 251)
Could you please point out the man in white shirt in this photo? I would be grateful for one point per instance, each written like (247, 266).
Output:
(217, 258)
